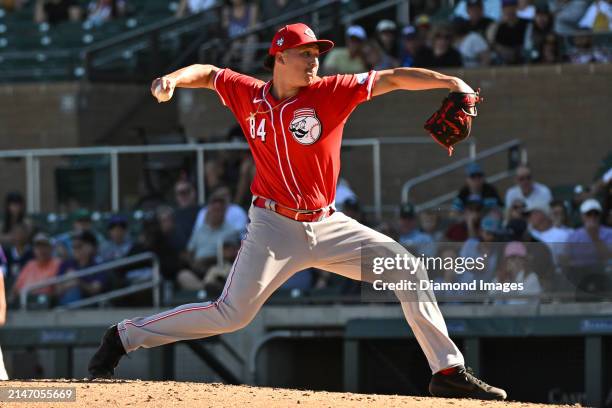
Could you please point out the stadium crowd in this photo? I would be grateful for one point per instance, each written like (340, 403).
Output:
(528, 236)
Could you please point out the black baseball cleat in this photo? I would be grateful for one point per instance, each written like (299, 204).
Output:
(106, 358)
(461, 383)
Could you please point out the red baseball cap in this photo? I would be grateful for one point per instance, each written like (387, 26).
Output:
(294, 35)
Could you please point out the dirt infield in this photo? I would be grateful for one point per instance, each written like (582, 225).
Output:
(151, 394)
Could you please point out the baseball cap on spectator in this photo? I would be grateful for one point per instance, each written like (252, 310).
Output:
(422, 20)
(82, 214)
(474, 169)
(474, 3)
(407, 211)
(542, 8)
(351, 203)
(579, 189)
(87, 237)
(538, 205)
(385, 25)
(515, 249)
(41, 238)
(508, 3)
(356, 31)
(14, 197)
(409, 32)
(218, 195)
(117, 220)
(590, 205)
(491, 224)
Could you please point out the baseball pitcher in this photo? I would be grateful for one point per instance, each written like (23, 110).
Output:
(293, 125)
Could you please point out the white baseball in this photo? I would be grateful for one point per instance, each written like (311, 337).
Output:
(161, 95)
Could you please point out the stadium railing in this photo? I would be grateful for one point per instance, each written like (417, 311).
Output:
(107, 267)
(517, 154)
(32, 158)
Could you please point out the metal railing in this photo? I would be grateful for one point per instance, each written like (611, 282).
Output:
(102, 268)
(32, 158)
(459, 164)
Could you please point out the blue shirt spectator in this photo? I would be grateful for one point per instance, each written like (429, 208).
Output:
(410, 236)
(592, 244)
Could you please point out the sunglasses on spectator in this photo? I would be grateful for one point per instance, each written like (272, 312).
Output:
(519, 207)
(476, 175)
(593, 213)
(525, 177)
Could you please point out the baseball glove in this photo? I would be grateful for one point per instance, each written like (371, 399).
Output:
(452, 123)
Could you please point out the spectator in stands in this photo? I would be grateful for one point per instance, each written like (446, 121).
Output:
(423, 26)
(187, 7)
(539, 254)
(119, 242)
(82, 221)
(14, 213)
(205, 243)
(235, 216)
(84, 248)
(489, 8)
(525, 10)
(19, 251)
(238, 17)
(515, 211)
(410, 236)
(527, 189)
(57, 11)
(566, 14)
(448, 274)
(476, 188)
(476, 20)
(411, 46)
(429, 222)
(101, 11)
(186, 211)
(165, 218)
(516, 268)
(375, 58)
(485, 245)
(352, 209)
(583, 51)
(598, 17)
(386, 37)
(44, 266)
(469, 224)
(348, 59)
(472, 45)
(153, 239)
(441, 54)
(542, 228)
(559, 214)
(508, 35)
(343, 193)
(592, 243)
(537, 33)
(215, 277)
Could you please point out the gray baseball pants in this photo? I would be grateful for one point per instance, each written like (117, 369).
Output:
(274, 249)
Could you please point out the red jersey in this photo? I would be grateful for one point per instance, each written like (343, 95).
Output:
(295, 142)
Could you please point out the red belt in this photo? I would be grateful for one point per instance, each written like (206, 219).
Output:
(302, 216)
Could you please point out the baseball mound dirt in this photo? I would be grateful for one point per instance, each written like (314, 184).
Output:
(150, 394)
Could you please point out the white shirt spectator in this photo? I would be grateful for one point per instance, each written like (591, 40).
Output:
(471, 47)
(490, 8)
(343, 193)
(235, 216)
(540, 193)
(528, 13)
(555, 238)
(195, 6)
(590, 17)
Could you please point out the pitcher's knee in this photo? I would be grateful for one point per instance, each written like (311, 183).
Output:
(235, 319)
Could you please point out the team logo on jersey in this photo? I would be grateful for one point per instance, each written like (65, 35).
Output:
(310, 33)
(305, 126)
(280, 42)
